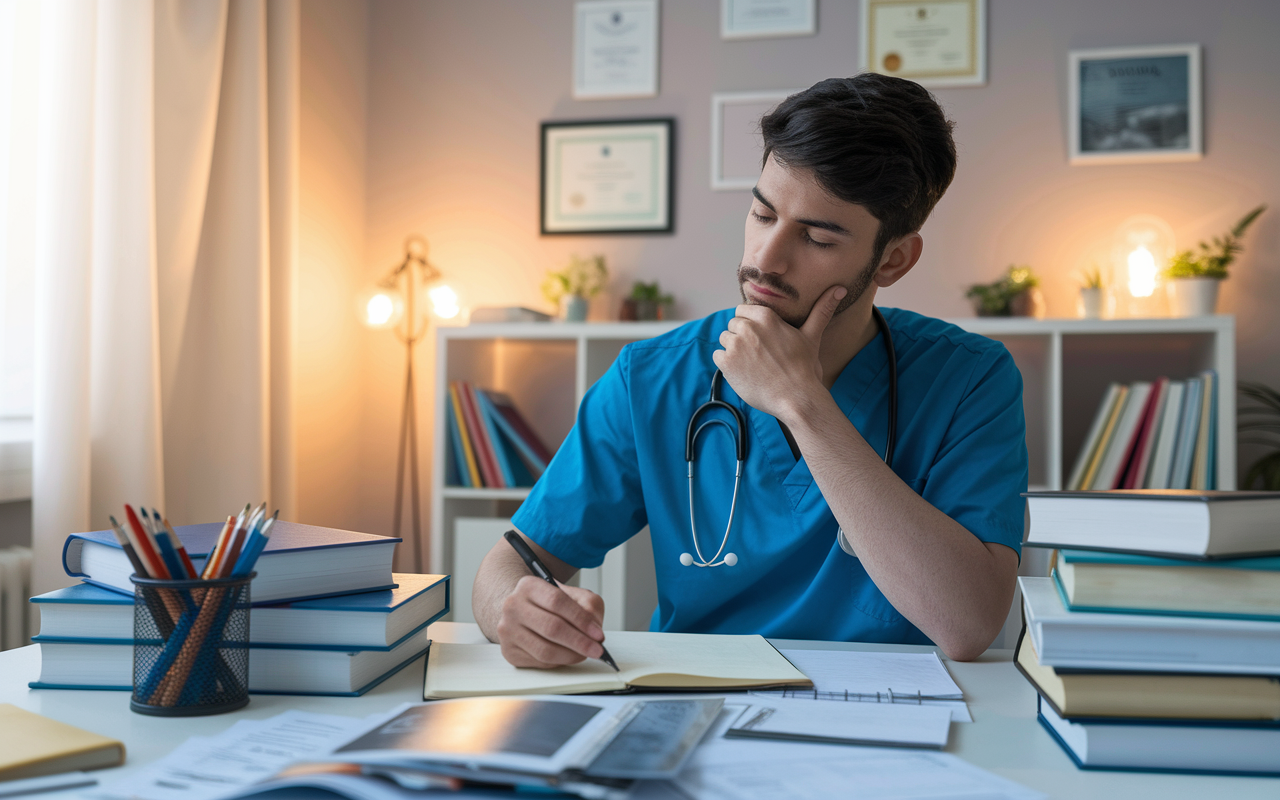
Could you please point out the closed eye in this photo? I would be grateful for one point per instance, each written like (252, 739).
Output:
(817, 243)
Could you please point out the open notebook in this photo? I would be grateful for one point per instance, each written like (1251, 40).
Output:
(647, 661)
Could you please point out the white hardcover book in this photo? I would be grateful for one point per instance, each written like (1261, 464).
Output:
(1090, 443)
(1166, 437)
(1121, 443)
(1145, 642)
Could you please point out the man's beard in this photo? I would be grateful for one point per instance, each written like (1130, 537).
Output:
(854, 289)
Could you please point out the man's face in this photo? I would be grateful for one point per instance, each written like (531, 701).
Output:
(801, 241)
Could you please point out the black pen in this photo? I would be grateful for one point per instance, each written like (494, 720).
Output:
(540, 570)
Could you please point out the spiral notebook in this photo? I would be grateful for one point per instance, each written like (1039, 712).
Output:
(876, 677)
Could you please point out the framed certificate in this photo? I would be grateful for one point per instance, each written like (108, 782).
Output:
(607, 176)
(761, 19)
(1135, 104)
(736, 146)
(615, 49)
(939, 43)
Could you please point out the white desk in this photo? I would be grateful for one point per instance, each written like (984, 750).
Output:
(1004, 737)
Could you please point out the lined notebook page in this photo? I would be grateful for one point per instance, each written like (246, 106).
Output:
(666, 660)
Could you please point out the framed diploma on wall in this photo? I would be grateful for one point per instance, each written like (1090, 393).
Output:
(938, 43)
(765, 19)
(607, 176)
(615, 49)
(1134, 104)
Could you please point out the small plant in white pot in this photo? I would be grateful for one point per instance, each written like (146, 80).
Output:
(1195, 275)
(571, 288)
(1091, 293)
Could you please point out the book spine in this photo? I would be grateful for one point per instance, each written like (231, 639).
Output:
(480, 442)
(1187, 429)
(458, 471)
(455, 399)
(1090, 445)
(1137, 469)
(1162, 460)
(487, 414)
(1104, 442)
(531, 458)
(526, 432)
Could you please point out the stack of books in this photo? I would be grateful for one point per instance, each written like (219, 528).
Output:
(329, 617)
(491, 443)
(1155, 642)
(1152, 435)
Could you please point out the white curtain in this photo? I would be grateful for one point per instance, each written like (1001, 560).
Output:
(165, 259)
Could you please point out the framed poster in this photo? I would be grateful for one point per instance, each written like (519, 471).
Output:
(607, 176)
(736, 146)
(765, 19)
(935, 43)
(1134, 104)
(615, 49)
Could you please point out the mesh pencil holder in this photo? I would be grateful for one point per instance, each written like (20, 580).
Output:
(190, 646)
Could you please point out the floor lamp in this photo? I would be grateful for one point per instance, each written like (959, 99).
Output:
(393, 304)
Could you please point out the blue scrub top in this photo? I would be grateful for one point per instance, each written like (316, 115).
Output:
(961, 446)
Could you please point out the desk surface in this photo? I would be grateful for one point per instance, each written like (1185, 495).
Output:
(1004, 736)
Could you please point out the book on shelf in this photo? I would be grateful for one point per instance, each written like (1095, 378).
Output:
(1152, 435)
(1245, 588)
(369, 620)
(300, 562)
(491, 443)
(1159, 745)
(648, 660)
(277, 669)
(1145, 642)
(1093, 693)
(1177, 523)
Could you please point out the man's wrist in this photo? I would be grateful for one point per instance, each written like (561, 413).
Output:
(802, 407)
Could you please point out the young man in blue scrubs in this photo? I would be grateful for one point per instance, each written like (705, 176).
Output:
(852, 169)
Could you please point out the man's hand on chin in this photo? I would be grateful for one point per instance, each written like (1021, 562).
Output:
(771, 364)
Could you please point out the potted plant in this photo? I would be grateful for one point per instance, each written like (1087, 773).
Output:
(1262, 419)
(646, 302)
(1015, 295)
(1195, 275)
(572, 288)
(1091, 293)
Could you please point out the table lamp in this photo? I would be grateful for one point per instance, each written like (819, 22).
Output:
(1142, 248)
(392, 303)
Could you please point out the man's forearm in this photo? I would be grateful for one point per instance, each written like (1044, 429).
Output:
(951, 585)
(500, 571)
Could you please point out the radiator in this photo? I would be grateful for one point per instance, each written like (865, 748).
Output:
(15, 588)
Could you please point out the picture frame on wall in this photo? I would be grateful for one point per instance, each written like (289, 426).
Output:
(1130, 105)
(936, 43)
(615, 49)
(767, 19)
(607, 176)
(736, 146)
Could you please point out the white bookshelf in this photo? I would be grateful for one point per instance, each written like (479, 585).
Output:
(1066, 366)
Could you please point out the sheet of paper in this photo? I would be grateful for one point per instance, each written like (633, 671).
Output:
(647, 659)
(868, 723)
(247, 752)
(746, 769)
(877, 677)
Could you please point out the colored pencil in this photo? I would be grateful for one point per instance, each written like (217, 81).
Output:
(147, 547)
(177, 545)
(138, 568)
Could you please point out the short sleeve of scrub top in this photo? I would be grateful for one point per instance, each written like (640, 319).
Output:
(961, 446)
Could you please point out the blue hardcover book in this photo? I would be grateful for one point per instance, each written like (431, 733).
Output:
(457, 473)
(300, 562)
(1192, 747)
(108, 664)
(532, 465)
(367, 621)
(508, 444)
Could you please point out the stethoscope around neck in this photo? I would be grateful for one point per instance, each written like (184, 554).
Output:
(739, 433)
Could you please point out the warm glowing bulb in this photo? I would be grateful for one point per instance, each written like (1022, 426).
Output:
(379, 310)
(1142, 272)
(445, 302)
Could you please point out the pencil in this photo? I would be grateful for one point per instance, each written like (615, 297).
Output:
(148, 550)
(138, 568)
(211, 562)
(178, 546)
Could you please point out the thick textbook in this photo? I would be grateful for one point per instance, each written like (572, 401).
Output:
(1194, 747)
(647, 660)
(300, 562)
(366, 621)
(1243, 588)
(1085, 693)
(1170, 522)
(32, 745)
(108, 664)
(1145, 642)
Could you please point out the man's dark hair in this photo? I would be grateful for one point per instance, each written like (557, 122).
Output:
(879, 142)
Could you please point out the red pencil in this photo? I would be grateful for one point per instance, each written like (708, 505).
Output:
(177, 545)
(150, 553)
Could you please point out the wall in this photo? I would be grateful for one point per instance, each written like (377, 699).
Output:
(421, 116)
